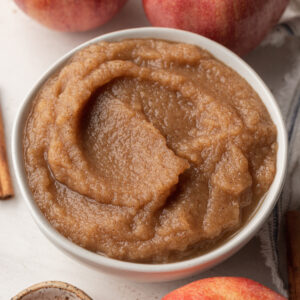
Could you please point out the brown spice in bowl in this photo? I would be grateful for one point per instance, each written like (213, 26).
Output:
(52, 290)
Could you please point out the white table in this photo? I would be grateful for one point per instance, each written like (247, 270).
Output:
(26, 256)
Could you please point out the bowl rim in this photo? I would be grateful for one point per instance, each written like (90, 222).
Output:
(60, 285)
(227, 248)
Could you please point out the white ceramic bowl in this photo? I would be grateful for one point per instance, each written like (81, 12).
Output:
(171, 271)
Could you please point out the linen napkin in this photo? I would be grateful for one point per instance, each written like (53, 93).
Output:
(277, 61)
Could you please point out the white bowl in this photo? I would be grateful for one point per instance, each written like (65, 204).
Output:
(171, 271)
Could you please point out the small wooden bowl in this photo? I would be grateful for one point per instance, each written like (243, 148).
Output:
(49, 290)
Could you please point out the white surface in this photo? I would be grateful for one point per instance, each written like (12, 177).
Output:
(26, 256)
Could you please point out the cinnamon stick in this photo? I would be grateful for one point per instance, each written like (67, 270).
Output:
(6, 188)
(293, 253)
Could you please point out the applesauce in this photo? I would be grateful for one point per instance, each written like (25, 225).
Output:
(148, 151)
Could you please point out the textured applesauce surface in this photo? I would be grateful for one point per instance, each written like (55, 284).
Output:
(148, 151)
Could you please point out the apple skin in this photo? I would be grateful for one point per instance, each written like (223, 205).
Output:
(71, 15)
(223, 288)
(240, 25)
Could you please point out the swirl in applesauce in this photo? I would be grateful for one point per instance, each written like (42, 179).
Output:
(148, 151)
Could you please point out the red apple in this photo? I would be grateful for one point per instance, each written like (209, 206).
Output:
(223, 288)
(237, 24)
(71, 15)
